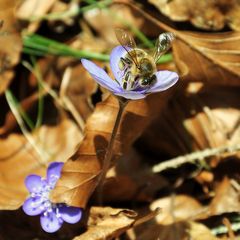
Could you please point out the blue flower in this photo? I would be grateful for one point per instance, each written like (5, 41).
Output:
(135, 77)
(52, 215)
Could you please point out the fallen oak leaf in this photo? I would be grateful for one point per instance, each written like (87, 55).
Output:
(176, 209)
(219, 12)
(18, 159)
(210, 58)
(107, 223)
(32, 10)
(226, 199)
(80, 174)
(180, 230)
(110, 223)
(10, 43)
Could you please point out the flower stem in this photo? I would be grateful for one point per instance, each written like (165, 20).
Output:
(109, 152)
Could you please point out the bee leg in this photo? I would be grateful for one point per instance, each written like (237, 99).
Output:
(125, 80)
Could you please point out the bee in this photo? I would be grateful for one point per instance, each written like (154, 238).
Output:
(137, 65)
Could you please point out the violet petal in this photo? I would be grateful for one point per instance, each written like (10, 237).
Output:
(54, 172)
(33, 206)
(50, 222)
(99, 75)
(70, 214)
(130, 95)
(165, 80)
(34, 183)
(115, 57)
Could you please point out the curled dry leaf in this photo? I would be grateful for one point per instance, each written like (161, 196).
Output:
(60, 8)
(107, 223)
(80, 175)
(210, 15)
(121, 17)
(226, 199)
(181, 230)
(210, 58)
(10, 43)
(18, 159)
(217, 122)
(176, 208)
(207, 118)
(30, 9)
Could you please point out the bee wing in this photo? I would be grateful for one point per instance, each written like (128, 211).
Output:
(163, 43)
(126, 40)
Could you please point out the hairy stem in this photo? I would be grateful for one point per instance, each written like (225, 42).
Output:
(109, 152)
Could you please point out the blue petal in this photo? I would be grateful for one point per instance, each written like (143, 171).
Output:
(70, 214)
(54, 172)
(131, 95)
(33, 206)
(100, 75)
(34, 183)
(50, 222)
(115, 57)
(165, 80)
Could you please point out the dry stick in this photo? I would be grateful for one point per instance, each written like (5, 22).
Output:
(192, 157)
(109, 152)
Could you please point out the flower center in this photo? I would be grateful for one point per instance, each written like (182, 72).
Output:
(138, 70)
(44, 202)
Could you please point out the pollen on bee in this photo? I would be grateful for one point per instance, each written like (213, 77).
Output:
(121, 65)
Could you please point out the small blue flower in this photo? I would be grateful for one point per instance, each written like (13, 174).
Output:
(52, 215)
(134, 79)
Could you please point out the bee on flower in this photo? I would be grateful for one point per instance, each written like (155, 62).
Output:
(135, 70)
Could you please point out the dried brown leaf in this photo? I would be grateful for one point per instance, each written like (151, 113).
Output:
(107, 223)
(81, 172)
(198, 232)
(121, 17)
(210, 15)
(10, 43)
(181, 230)
(33, 9)
(207, 118)
(176, 208)
(209, 58)
(226, 199)
(18, 159)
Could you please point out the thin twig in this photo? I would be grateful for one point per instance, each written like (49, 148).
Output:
(195, 156)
